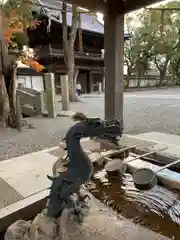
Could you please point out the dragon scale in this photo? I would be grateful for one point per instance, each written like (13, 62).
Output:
(65, 188)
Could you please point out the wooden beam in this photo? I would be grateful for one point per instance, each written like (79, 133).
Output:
(113, 6)
(94, 5)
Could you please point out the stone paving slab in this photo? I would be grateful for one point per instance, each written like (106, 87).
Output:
(160, 137)
(25, 175)
(8, 195)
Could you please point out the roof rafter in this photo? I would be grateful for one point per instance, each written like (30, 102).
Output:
(114, 6)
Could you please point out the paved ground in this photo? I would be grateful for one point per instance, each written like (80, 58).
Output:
(144, 111)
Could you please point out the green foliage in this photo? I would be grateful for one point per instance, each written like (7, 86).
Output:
(136, 50)
(155, 41)
(125, 84)
(21, 39)
(21, 8)
(17, 16)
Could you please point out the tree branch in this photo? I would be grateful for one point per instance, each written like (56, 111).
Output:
(156, 63)
(177, 45)
(177, 65)
(126, 56)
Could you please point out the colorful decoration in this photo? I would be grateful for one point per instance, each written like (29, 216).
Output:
(13, 23)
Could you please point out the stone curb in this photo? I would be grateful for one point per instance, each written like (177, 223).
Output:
(65, 114)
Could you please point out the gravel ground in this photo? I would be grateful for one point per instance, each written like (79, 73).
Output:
(47, 133)
(145, 111)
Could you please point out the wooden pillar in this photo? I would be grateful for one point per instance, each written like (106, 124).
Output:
(114, 65)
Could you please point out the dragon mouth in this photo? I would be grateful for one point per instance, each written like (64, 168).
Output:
(111, 138)
(114, 132)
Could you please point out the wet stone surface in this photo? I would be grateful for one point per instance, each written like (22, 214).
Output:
(157, 209)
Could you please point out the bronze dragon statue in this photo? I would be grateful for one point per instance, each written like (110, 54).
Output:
(65, 188)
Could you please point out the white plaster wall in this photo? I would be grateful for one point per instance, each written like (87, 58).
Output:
(37, 83)
(33, 82)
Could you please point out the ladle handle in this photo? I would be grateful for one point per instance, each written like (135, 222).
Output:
(168, 165)
(146, 154)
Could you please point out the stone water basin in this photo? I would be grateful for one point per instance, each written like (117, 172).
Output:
(157, 209)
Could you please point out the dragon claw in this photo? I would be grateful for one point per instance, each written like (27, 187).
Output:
(78, 214)
(82, 198)
(78, 217)
(86, 196)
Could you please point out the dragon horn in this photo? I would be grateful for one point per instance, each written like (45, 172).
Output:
(50, 178)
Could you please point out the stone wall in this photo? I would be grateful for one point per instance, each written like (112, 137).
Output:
(149, 81)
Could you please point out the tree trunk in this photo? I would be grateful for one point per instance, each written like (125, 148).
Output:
(178, 80)
(72, 77)
(80, 35)
(162, 69)
(11, 79)
(173, 77)
(18, 113)
(72, 88)
(138, 73)
(138, 81)
(129, 72)
(8, 114)
(68, 46)
(71, 64)
(4, 103)
(8, 111)
(162, 77)
(76, 72)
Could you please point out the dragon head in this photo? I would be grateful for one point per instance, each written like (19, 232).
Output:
(95, 127)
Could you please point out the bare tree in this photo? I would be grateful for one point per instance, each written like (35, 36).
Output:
(68, 47)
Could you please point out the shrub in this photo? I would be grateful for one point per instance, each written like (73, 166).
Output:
(125, 84)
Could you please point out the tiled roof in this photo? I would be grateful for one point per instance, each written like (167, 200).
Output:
(87, 22)
(53, 8)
